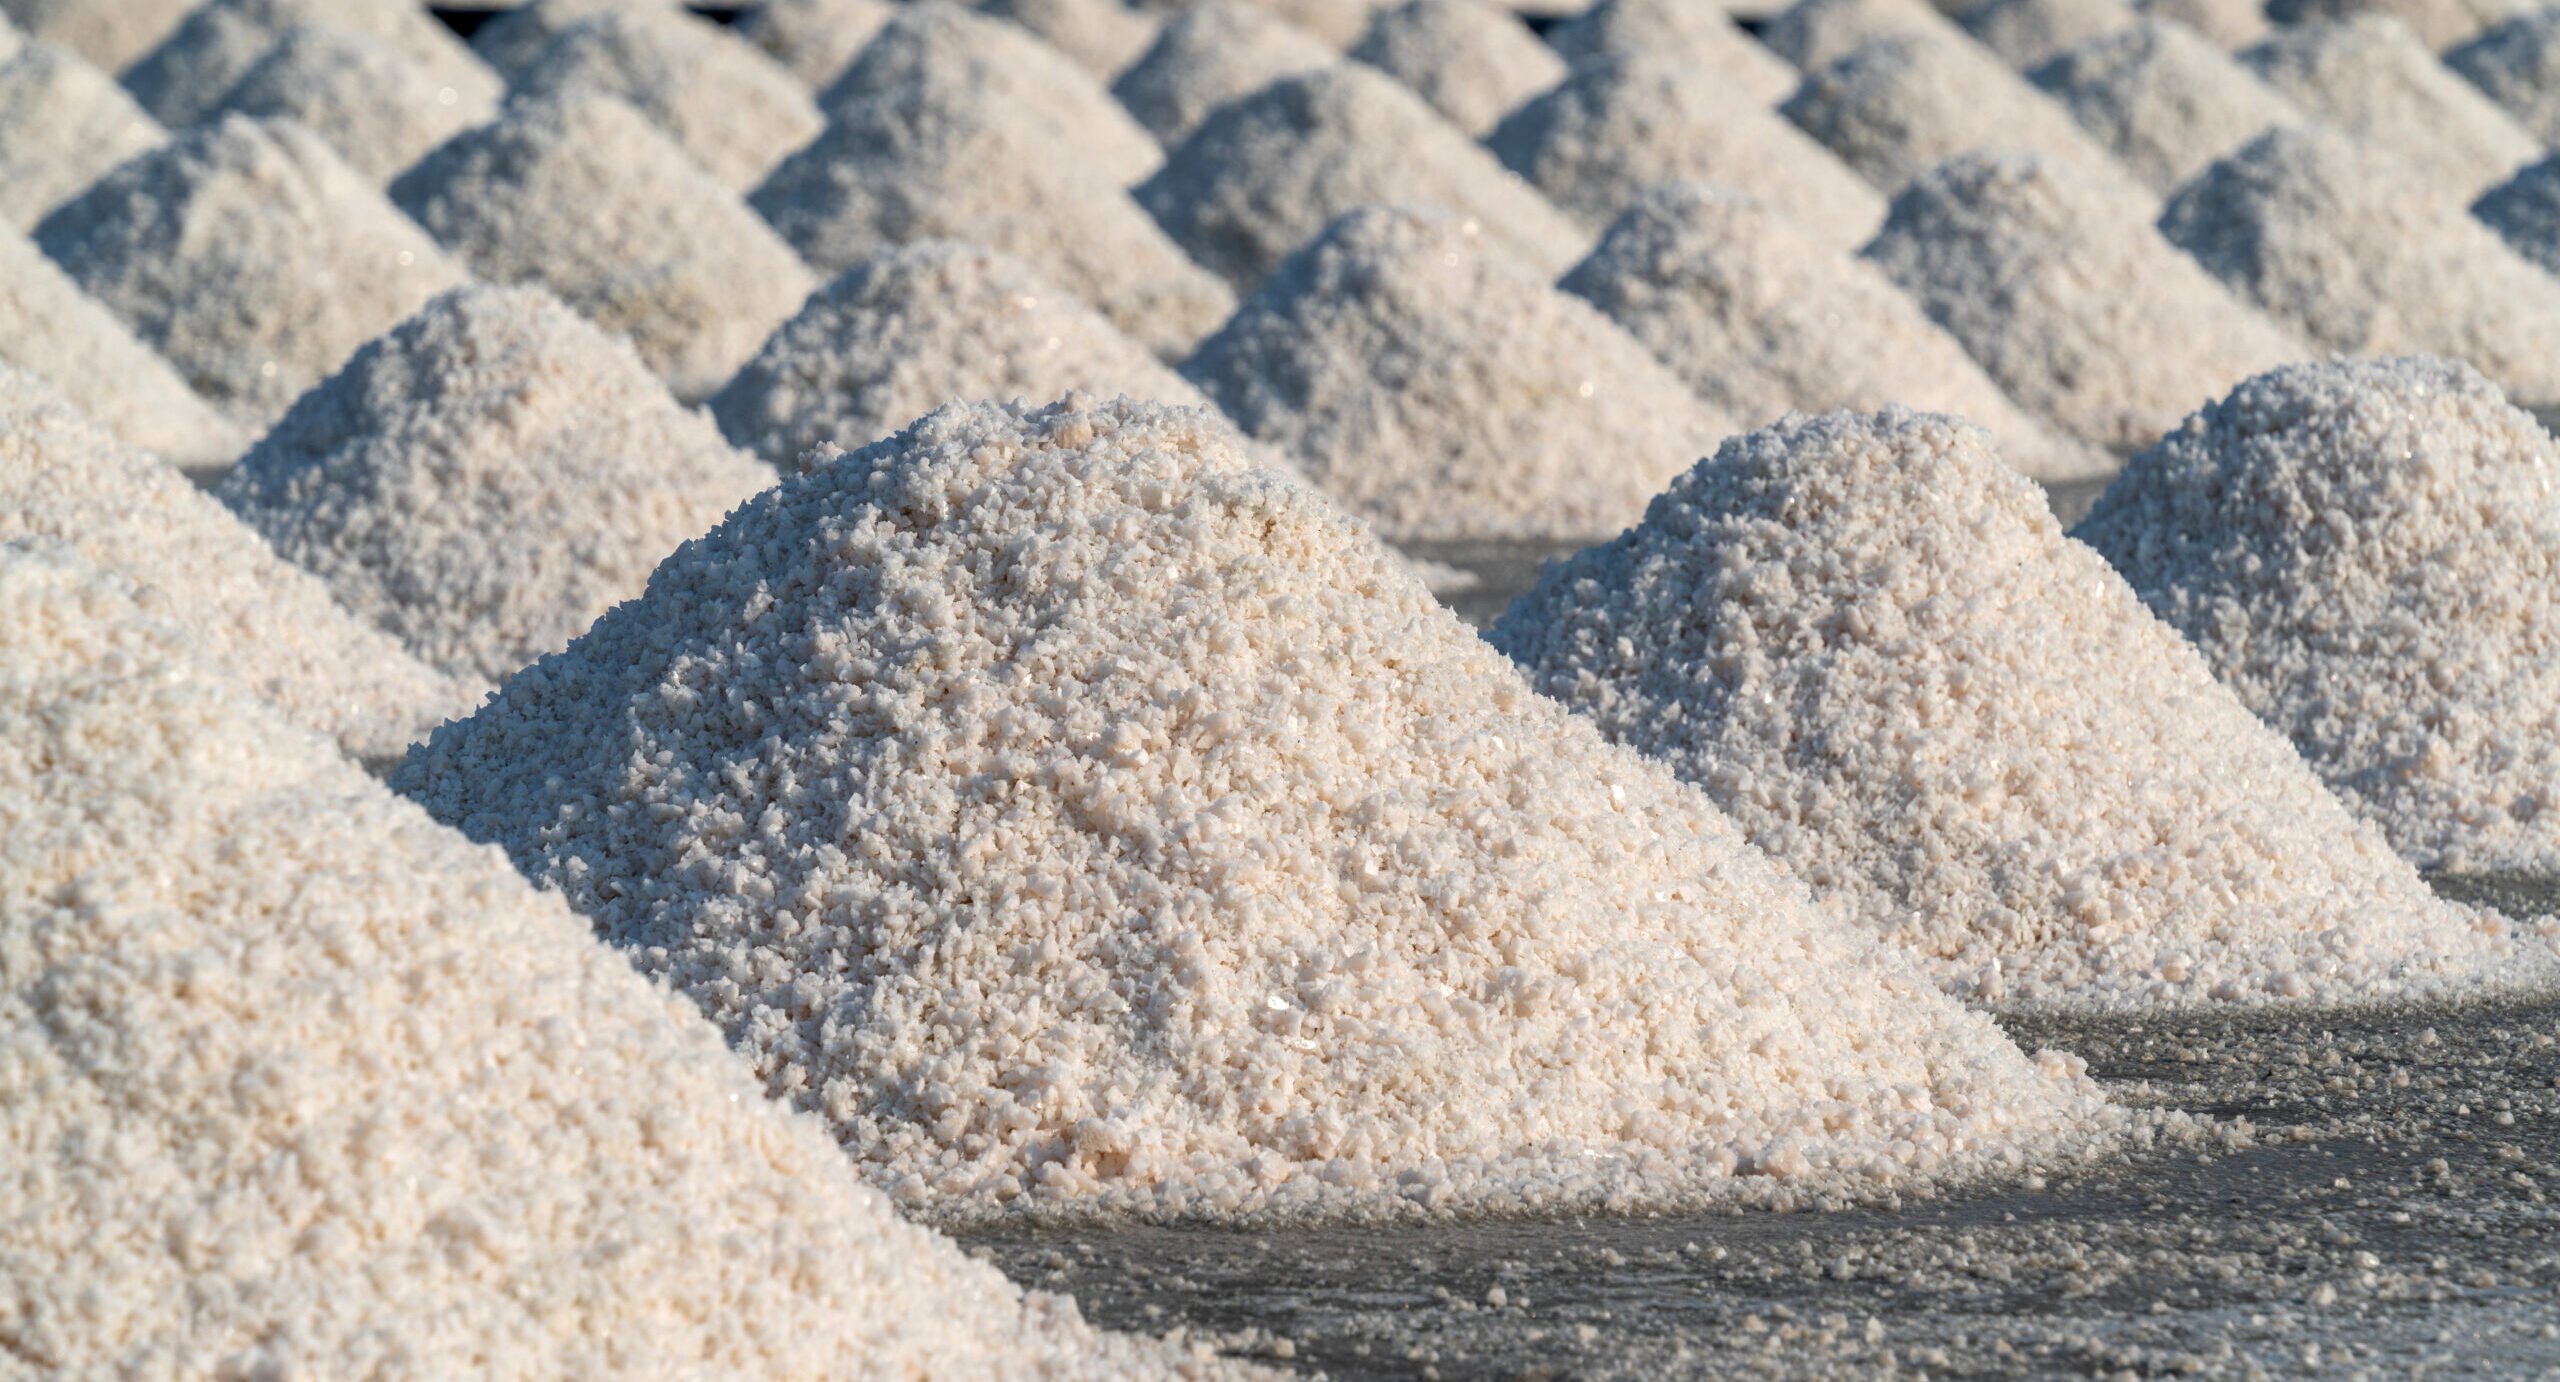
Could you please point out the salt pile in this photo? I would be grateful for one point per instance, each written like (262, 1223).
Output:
(2081, 311)
(1620, 124)
(1870, 643)
(2517, 65)
(378, 109)
(2231, 24)
(257, 618)
(514, 37)
(731, 109)
(1813, 34)
(1763, 318)
(1423, 378)
(1474, 63)
(185, 78)
(2439, 24)
(2331, 240)
(109, 33)
(2164, 101)
(2369, 76)
(899, 336)
(1264, 174)
(63, 124)
(955, 749)
(1102, 36)
(1703, 36)
(1339, 23)
(247, 253)
(1209, 55)
(582, 194)
(346, 1091)
(2028, 32)
(52, 329)
(2525, 212)
(815, 39)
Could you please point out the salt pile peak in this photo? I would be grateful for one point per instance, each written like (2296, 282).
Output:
(183, 79)
(2026, 33)
(513, 38)
(1065, 809)
(815, 39)
(1763, 318)
(379, 109)
(1813, 34)
(2163, 100)
(1338, 23)
(250, 255)
(2364, 552)
(63, 124)
(2439, 24)
(1433, 386)
(1211, 54)
(2517, 65)
(1473, 62)
(109, 33)
(1870, 643)
(582, 194)
(1704, 36)
(2369, 76)
(1102, 36)
(732, 110)
(2231, 25)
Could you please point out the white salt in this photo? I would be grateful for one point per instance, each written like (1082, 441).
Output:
(2163, 100)
(513, 38)
(2439, 24)
(1339, 23)
(584, 195)
(1474, 63)
(1813, 34)
(378, 109)
(1763, 318)
(815, 39)
(1429, 383)
(1703, 36)
(2364, 552)
(2231, 24)
(2027, 32)
(250, 255)
(183, 79)
(1209, 55)
(732, 110)
(2370, 77)
(1102, 36)
(1870, 643)
(2080, 310)
(1069, 812)
(2517, 65)
(2525, 212)
(109, 33)
(63, 124)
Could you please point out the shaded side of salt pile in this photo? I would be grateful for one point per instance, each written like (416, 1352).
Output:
(1620, 124)
(2525, 212)
(183, 79)
(2329, 238)
(1054, 707)
(582, 194)
(378, 109)
(2517, 65)
(2081, 311)
(1704, 36)
(894, 338)
(257, 617)
(531, 1164)
(1870, 643)
(1102, 36)
(733, 111)
(248, 254)
(2163, 100)
(2231, 24)
(815, 39)
(52, 329)
(1813, 34)
(109, 33)
(1763, 318)
(1264, 174)
(2439, 24)
(1432, 385)
(1209, 55)
(1474, 63)
(2371, 77)
(2026, 33)
(63, 124)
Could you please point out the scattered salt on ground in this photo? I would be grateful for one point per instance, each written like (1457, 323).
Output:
(2027, 32)
(933, 323)
(2369, 76)
(1435, 387)
(2080, 310)
(1763, 318)
(2525, 212)
(2517, 65)
(63, 124)
(2163, 100)
(2231, 24)
(486, 479)
(2364, 552)
(1813, 34)
(372, 1097)
(378, 109)
(1209, 55)
(259, 618)
(251, 256)
(515, 36)
(51, 328)
(1264, 174)
(109, 33)
(2439, 24)
(1066, 810)
(1870, 643)
(184, 79)
(732, 110)
(582, 194)
(2331, 240)
(1102, 36)
(815, 39)
(1474, 63)
(1339, 23)
(1703, 36)
(1622, 123)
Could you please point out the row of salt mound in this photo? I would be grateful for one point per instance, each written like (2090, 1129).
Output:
(377, 107)
(1061, 807)
(2332, 240)
(1703, 36)
(2364, 551)
(2439, 24)
(259, 618)
(527, 1164)
(2370, 77)
(1762, 318)
(734, 111)
(1102, 36)
(582, 194)
(2029, 33)
(1209, 55)
(111, 34)
(250, 255)
(1474, 63)
(2517, 65)
(2164, 101)
(486, 479)
(1434, 387)
(1870, 643)
(63, 124)
(181, 81)
(2230, 25)
(815, 39)
(1813, 34)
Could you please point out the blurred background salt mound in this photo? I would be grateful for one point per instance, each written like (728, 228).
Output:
(815, 39)
(2370, 77)
(1102, 36)
(1813, 34)
(2026, 33)
(1340, 23)
(378, 108)
(513, 37)
(2231, 24)
(1210, 54)
(2525, 212)
(1702, 36)
(735, 112)
(2439, 24)
(109, 33)
(185, 78)
(2516, 63)
(2163, 100)
(1473, 62)
(63, 124)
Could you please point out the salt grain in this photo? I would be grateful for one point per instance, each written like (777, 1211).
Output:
(1102, 36)
(63, 124)
(2163, 100)
(184, 79)
(732, 110)
(1209, 55)
(815, 39)
(1474, 63)
(373, 105)
(2439, 24)
(109, 33)
(2370, 77)
(1813, 34)
(2517, 65)
(1703, 36)
(2027, 32)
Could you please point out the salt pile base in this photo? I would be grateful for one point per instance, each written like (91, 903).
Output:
(2163, 100)
(63, 124)
(731, 109)
(1102, 36)
(1813, 34)
(109, 33)
(1069, 812)
(815, 39)
(2370, 77)
(2438, 24)
(51, 328)
(377, 108)
(2517, 65)
(1703, 36)
(2363, 551)
(1474, 63)
(1209, 55)
(185, 78)
(2026, 33)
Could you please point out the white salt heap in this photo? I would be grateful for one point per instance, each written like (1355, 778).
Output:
(2364, 552)
(2028, 32)
(2231, 24)
(1762, 318)
(1473, 62)
(109, 33)
(1102, 36)
(1813, 34)
(2517, 65)
(2163, 100)
(936, 322)
(2370, 77)
(513, 37)
(2439, 24)
(257, 618)
(2331, 240)
(815, 39)
(52, 329)
(1703, 36)
(63, 124)
(1424, 379)
(377, 108)
(251, 256)
(582, 194)
(184, 79)
(2080, 310)
(348, 1098)
(1209, 55)
(1065, 809)
(1339, 23)
(733, 110)
(1870, 643)
(2525, 212)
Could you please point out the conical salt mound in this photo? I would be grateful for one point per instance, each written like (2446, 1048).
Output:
(2330, 239)
(1867, 639)
(514, 37)
(1763, 319)
(582, 194)
(1703, 36)
(258, 618)
(250, 255)
(1813, 34)
(2079, 310)
(815, 39)
(1621, 124)
(2231, 24)
(936, 322)
(2370, 77)
(2517, 65)
(2027, 33)
(1067, 810)
(377, 108)
(2439, 24)
(2164, 101)
(2364, 552)
(111, 34)
(1433, 386)
(185, 78)
(1473, 62)
(63, 124)
(1101, 36)
(371, 1098)
(1209, 55)
(486, 479)
(734, 111)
